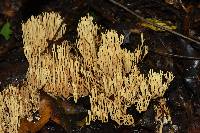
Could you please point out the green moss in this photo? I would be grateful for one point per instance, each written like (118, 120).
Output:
(158, 22)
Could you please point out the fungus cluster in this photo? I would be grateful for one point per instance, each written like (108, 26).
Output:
(104, 71)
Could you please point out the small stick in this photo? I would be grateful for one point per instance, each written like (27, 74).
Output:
(175, 55)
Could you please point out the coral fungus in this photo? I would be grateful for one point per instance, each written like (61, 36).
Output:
(104, 71)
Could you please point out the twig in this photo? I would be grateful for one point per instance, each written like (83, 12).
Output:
(154, 24)
(175, 55)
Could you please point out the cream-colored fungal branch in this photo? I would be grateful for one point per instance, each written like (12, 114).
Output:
(116, 82)
(36, 32)
(104, 71)
(162, 115)
(52, 69)
(87, 40)
(16, 103)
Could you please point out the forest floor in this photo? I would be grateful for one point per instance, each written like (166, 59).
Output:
(167, 52)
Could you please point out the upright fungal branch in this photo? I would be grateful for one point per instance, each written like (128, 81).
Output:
(16, 103)
(46, 69)
(115, 74)
(122, 80)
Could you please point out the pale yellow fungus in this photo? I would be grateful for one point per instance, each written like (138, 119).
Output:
(104, 71)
